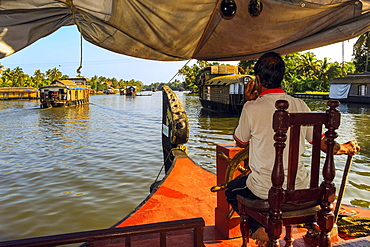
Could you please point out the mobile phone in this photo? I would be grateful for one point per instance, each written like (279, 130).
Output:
(250, 77)
(247, 79)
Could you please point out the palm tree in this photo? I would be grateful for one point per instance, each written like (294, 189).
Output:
(247, 66)
(309, 65)
(17, 77)
(53, 74)
(362, 43)
(38, 77)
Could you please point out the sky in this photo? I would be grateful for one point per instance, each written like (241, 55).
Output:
(62, 50)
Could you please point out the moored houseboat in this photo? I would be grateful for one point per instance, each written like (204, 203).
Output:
(68, 92)
(221, 88)
(9, 93)
(353, 88)
(129, 90)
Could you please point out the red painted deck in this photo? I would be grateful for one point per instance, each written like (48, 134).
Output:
(184, 194)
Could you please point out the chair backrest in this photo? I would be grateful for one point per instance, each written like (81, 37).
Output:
(282, 121)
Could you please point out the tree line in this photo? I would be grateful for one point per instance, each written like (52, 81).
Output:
(304, 72)
(17, 78)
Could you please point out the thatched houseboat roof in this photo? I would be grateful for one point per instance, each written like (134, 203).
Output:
(225, 80)
(66, 84)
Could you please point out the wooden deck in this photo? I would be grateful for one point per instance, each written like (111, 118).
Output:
(185, 193)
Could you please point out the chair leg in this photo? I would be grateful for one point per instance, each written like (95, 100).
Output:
(288, 236)
(244, 225)
(326, 223)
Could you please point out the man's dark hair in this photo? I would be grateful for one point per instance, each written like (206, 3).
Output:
(271, 69)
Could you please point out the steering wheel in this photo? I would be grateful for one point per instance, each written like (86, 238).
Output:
(234, 164)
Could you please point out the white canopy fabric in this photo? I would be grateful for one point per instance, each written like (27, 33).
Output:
(171, 30)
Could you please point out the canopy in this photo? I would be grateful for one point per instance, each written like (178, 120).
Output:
(183, 29)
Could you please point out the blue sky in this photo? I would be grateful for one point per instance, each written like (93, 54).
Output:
(62, 50)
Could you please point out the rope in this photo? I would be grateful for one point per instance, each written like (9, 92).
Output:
(76, 11)
(85, 17)
(179, 147)
(80, 67)
(353, 226)
(179, 70)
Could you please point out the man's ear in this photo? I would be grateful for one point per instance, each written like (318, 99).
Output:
(258, 81)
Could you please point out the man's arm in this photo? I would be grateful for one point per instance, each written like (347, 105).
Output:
(350, 148)
(239, 144)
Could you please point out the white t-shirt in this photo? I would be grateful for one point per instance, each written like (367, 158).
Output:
(255, 127)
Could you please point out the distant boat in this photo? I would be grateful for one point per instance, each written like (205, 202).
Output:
(9, 93)
(143, 94)
(109, 91)
(221, 88)
(129, 90)
(353, 88)
(68, 92)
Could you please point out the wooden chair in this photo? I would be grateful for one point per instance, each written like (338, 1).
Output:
(290, 206)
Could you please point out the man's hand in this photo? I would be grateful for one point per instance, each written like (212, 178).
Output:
(350, 148)
(250, 92)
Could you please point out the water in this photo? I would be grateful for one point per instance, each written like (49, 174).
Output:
(86, 167)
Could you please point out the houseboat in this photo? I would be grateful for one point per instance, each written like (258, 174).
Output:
(110, 91)
(353, 88)
(68, 92)
(221, 88)
(9, 93)
(129, 90)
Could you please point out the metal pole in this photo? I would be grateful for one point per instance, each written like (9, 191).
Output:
(342, 186)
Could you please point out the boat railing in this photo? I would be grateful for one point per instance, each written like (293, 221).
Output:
(113, 233)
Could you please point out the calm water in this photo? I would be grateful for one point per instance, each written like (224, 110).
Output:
(87, 167)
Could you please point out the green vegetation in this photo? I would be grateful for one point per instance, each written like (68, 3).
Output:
(17, 78)
(304, 73)
(361, 51)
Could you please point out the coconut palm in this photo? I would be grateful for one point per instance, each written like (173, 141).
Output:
(362, 43)
(38, 77)
(53, 74)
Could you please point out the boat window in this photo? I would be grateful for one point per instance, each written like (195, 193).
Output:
(236, 88)
(208, 93)
(232, 89)
(362, 90)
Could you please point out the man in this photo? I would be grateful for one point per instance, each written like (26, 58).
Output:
(255, 128)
